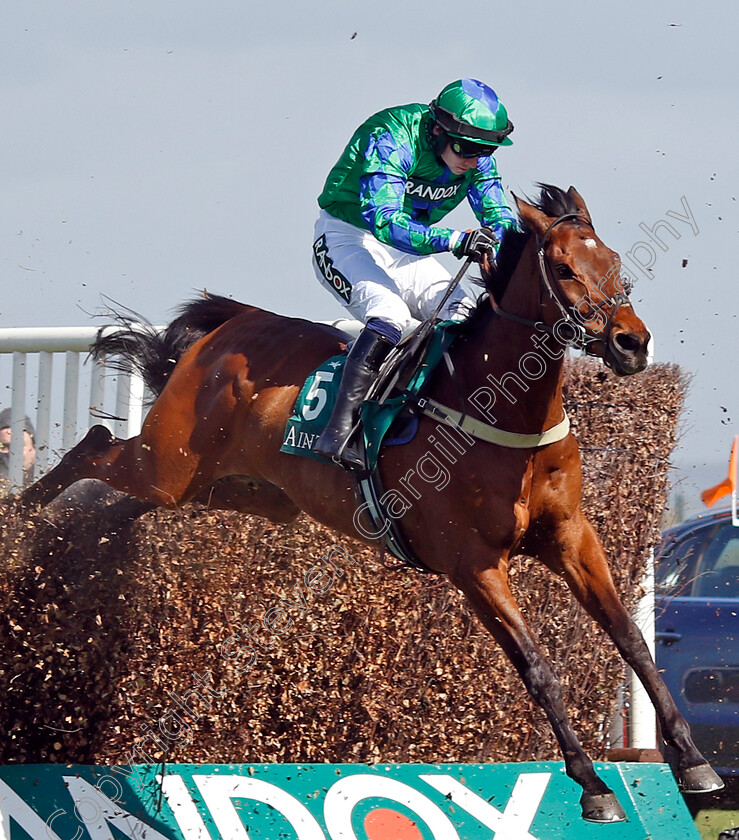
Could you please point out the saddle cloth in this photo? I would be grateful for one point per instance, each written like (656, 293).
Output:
(316, 399)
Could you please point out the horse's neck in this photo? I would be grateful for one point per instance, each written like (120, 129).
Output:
(519, 366)
(523, 293)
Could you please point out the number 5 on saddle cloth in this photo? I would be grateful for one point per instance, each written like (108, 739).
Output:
(379, 412)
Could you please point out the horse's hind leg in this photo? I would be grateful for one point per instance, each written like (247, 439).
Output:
(488, 591)
(91, 500)
(135, 468)
(72, 468)
(130, 466)
(247, 494)
(584, 567)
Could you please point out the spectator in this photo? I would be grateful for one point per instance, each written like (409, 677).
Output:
(29, 448)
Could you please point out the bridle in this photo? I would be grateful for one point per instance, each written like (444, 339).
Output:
(567, 329)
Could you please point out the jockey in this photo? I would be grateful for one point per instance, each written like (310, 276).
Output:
(404, 169)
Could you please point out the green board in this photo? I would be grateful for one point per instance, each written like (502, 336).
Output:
(530, 801)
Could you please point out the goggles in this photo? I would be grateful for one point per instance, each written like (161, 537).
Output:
(467, 149)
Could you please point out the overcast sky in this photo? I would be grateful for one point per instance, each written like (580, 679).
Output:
(152, 149)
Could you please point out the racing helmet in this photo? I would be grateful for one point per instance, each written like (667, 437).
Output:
(470, 112)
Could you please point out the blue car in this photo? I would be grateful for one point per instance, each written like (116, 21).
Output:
(697, 620)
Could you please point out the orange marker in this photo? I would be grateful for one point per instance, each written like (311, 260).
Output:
(728, 485)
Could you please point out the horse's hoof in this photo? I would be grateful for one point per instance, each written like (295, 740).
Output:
(601, 808)
(700, 779)
(97, 440)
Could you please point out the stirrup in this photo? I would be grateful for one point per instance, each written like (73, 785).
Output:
(351, 453)
(353, 445)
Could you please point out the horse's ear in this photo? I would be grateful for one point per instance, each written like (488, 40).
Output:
(532, 217)
(579, 203)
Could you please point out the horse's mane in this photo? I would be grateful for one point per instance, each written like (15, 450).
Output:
(552, 201)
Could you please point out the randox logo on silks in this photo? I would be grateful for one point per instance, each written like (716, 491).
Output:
(429, 191)
(334, 278)
(529, 801)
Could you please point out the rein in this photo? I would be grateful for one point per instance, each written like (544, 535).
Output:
(580, 338)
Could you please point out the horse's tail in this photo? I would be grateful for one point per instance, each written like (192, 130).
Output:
(137, 345)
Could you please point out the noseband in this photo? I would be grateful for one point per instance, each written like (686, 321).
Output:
(579, 337)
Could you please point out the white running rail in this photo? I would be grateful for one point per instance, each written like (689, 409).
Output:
(47, 376)
(47, 383)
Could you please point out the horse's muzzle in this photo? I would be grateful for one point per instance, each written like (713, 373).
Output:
(626, 352)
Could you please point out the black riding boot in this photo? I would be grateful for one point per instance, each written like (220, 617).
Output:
(362, 365)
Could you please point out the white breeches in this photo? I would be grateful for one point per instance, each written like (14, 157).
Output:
(374, 280)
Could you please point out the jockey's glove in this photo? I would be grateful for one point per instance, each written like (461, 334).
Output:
(477, 244)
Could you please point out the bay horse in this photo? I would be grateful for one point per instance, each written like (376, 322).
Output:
(227, 376)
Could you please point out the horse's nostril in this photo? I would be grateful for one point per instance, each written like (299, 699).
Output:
(628, 342)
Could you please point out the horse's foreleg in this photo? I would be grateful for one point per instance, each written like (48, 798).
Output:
(584, 567)
(489, 593)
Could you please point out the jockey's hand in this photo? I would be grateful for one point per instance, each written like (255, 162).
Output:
(477, 244)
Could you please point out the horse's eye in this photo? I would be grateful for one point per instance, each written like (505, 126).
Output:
(564, 272)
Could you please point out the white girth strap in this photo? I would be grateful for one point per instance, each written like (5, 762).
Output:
(491, 434)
